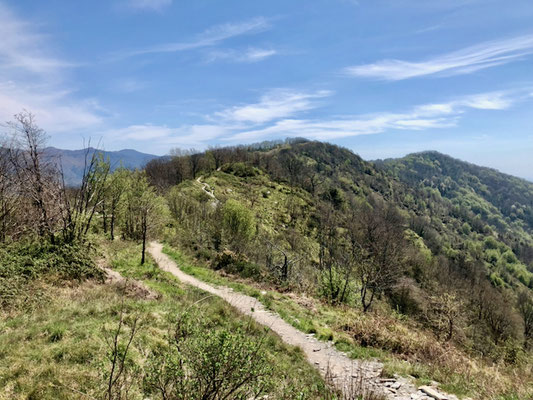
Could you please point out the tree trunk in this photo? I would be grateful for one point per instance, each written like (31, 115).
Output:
(366, 305)
(285, 269)
(144, 227)
(112, 225)
(104, 217)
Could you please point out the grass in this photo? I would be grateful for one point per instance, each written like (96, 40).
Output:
(57, 350)
(404, 349)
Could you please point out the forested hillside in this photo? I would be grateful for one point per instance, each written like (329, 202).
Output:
(446, 244)
(424, 263)
(85, 312)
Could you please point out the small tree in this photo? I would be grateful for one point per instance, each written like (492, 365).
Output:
(36, 175)
(143, 210)
(446, 310)
(114, 189)
(238, 224)
(379, 233)
(82, 202)
(525, 308)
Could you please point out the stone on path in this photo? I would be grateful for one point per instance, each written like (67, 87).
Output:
(432, 393)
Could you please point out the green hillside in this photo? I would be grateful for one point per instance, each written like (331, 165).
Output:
(443, 245)
(424, 263)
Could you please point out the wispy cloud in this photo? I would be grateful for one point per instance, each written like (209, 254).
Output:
(249, 55)
(276, 115)
(129, 85)
(31, 78)
(275, 104)
(426, 116)
(152, 5)
(24, 51)
(467, 60)
(162, 137)
(208, 38)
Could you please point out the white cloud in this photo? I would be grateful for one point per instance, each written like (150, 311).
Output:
(160, 138)
(280, 103)
(23, 51)
(208, 38)
(54, 111)
(427, 116)
(129, 85)
(31, 78)
(249, 55)
(259, 54)
(274, 116)
(467, 60)
(154, 5)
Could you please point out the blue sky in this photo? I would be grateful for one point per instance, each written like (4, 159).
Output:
(381, 77)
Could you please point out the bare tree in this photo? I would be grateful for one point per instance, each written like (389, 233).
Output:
(525, 308)
(118, 379)
(381, 239)
(82, 202)
(9, 194)
(37, 175)
(283, 267)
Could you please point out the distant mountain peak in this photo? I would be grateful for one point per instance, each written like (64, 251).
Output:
(72, 161)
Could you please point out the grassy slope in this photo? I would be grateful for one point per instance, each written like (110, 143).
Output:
(57, 349)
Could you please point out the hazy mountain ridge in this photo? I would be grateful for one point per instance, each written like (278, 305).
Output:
(73, 161)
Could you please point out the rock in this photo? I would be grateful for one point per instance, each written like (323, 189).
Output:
(432, 393)
(396, 385)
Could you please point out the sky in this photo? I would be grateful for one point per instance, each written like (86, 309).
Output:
(383, 78)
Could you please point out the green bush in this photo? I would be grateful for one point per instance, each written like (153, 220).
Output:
(238, 223)
(200, 363)
(240, 169)
(23, 263)
(236, 264)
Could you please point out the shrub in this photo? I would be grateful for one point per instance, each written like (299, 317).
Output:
(207, 364)
(23, 263)
(238, 223)
(235, 264)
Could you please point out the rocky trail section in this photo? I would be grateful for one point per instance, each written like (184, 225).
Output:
(207, 190)
(349, 376)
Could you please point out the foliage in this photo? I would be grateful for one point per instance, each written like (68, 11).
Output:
(198, 362)
(427, 236)
(23, 263)
(238, 223)
(60, 351)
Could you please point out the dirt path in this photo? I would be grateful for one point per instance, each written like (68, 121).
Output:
(207, 189)
(346, 374)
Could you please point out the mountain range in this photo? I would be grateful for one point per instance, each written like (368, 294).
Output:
(73, 161)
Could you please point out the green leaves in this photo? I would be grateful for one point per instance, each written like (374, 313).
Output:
(203, 363)
(238, 222)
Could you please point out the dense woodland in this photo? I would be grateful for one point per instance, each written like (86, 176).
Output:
(442, 246)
